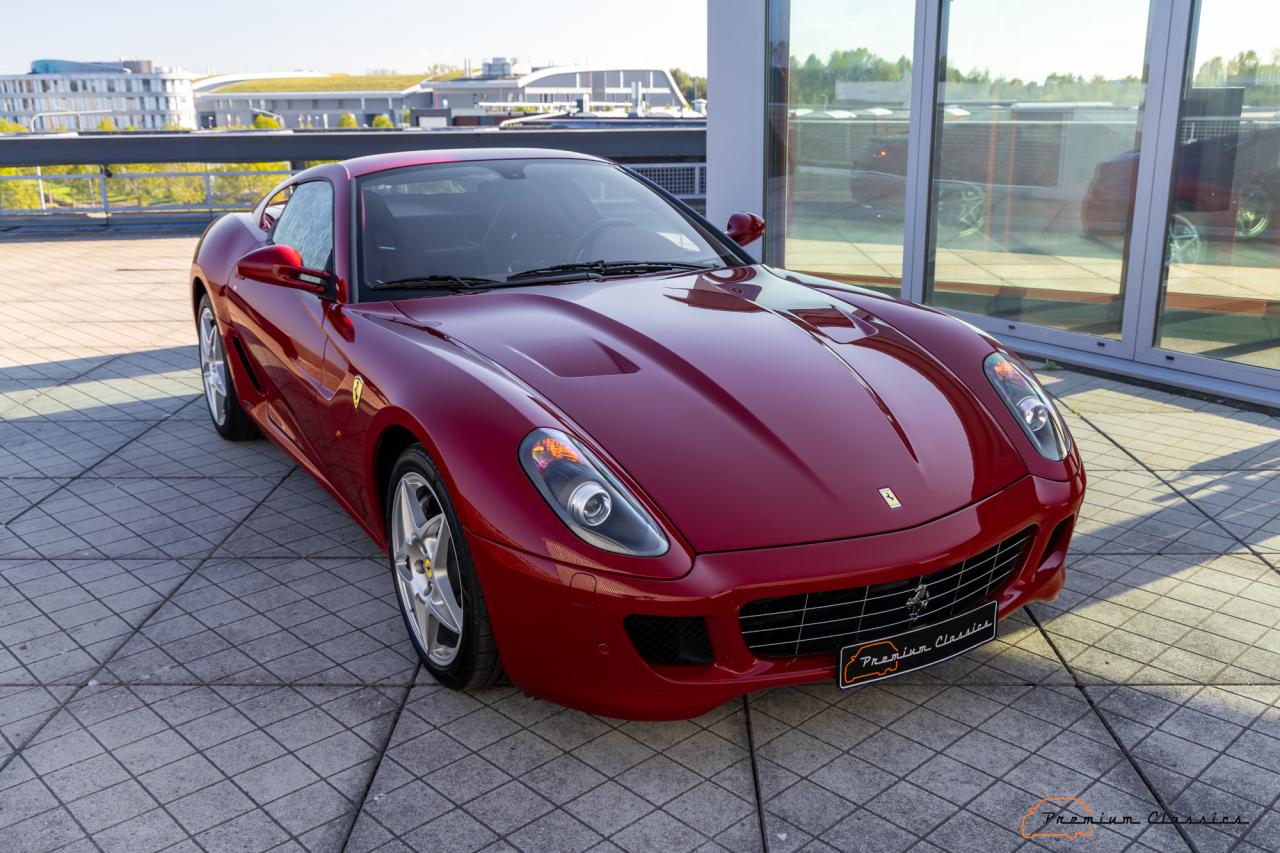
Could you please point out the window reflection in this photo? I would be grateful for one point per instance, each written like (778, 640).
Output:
(840, 96)
(1221, 295)
(1033, 128)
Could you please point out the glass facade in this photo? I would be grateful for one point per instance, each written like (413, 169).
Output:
(840, 105)
(1220, 294)
(1101, 175)
(1024, 140)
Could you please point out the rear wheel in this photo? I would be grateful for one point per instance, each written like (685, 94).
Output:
(1185, 246)
(229, 417)
(436, 584)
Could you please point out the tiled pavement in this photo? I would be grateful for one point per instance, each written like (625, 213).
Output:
(198, 651)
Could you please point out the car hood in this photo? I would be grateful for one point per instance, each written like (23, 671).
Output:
(753, 410)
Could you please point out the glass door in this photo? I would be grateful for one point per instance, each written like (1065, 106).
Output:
(1036, 149)
(840, 75)
(1218, 301)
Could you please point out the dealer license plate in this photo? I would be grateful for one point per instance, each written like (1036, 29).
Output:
(916, 648)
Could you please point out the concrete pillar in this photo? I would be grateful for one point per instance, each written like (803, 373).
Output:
(736, 79)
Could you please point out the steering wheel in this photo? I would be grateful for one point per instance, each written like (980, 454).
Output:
(588, 237)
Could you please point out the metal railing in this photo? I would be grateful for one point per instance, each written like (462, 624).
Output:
(209, 192)
(685, 181)
(109, 193)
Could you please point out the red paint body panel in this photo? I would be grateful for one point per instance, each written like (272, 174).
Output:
(756, 413)
(746, 426)
(529, 596)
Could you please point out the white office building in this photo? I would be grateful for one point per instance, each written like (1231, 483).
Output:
(222, 102)
(63, 95)
(556, 87)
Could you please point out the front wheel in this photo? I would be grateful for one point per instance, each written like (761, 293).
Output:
(229, 418)
(436, 584)
(1185, 246)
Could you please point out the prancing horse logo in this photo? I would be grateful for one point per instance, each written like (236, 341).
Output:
(918, 603)
(890, 498)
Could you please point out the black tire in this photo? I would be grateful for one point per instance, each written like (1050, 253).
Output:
(477, 663)
(236, 424)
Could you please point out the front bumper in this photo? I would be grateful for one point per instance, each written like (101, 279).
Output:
(559, 623)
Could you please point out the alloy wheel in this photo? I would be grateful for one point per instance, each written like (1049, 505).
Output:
(213, 366)
(1253, 213)
(1184, 241)
(963, 208)
(427, 570)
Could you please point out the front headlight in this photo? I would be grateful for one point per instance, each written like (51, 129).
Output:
(587, 497)
(1030, 405)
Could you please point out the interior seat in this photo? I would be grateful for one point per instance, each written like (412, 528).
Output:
(386, 255)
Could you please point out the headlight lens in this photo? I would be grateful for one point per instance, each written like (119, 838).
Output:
(1030, 405)
(587, 497)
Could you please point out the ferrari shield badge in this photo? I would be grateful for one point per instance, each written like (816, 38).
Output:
(890, 498)
(357, 385)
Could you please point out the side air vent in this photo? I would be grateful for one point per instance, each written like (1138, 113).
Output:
(670, 640)
(248, 367)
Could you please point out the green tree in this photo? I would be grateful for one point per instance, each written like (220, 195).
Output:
(691, 86)
(106, 124)
(381, 121)
(17, 195)
(265, 122)
(814, 83)
(348, 120)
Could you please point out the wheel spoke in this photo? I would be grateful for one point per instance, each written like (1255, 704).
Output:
(412, 519)
(444, 603)
(426, 625)
(441, 545)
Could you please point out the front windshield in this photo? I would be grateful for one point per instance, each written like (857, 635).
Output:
(498, 219)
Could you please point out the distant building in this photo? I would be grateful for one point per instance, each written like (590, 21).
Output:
(59, 94)
(503, 89)
(302, 101)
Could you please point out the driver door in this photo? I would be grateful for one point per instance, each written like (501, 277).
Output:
(281, 326)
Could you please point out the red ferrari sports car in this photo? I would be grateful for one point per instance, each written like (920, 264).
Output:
(610, 455)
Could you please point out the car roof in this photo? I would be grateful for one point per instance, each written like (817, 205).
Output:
(359, 166)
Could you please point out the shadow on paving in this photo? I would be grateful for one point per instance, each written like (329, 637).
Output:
(203, 657)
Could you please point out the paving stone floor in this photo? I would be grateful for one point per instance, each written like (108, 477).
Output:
(198, 651)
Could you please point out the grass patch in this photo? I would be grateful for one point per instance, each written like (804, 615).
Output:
(332, 83)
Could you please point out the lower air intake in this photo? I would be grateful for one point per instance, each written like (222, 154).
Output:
(670, 640)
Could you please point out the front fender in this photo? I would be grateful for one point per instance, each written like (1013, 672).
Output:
(961, 349)
(471, 416)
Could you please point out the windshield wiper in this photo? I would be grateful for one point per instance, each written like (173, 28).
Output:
(448, 282)
(604, 268)
(556, 273)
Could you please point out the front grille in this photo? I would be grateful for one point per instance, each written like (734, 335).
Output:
(826, 621)
(670, 640)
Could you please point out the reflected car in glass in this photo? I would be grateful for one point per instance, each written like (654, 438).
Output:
(1226, 193)
(878, 181)
(609, 455)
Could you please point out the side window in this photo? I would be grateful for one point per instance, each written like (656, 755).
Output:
(271, 213)
(306, 224)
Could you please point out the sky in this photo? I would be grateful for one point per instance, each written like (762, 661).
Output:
(328, 35)
(1009, 37)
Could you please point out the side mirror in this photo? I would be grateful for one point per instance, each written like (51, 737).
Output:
(282, 265)
(745, 228)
